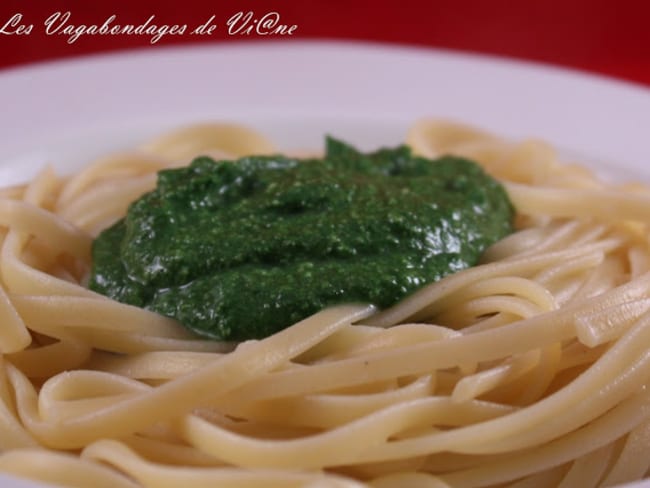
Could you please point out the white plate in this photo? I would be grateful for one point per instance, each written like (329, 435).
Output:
(66, 113)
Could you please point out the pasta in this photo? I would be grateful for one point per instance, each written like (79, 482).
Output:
(529, 370)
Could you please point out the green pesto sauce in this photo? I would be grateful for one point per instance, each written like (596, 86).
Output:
(237, 250)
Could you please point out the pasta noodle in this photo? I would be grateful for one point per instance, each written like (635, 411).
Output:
(528, 370)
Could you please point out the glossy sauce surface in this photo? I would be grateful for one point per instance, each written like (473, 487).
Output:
(237, 250)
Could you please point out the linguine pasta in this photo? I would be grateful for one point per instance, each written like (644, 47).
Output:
(529, 370)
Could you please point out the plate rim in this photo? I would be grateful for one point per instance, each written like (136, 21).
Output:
(576, 94)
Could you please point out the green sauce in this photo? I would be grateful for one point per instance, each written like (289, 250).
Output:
(236, 250)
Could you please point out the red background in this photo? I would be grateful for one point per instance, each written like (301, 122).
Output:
(601, 36)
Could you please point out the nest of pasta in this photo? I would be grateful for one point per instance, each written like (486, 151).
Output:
(529, 369)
